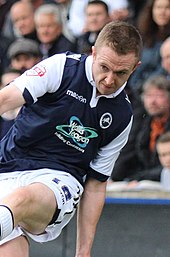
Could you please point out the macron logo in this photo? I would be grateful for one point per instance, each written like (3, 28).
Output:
(76, 96)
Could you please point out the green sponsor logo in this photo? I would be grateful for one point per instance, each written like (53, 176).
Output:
(77, 132)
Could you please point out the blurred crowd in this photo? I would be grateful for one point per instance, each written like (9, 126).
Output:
(32, 30)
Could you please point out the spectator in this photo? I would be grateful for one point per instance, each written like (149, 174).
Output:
(154, 26)
(23, 54)
(7, 119)
(165, 57)
(49, 27)
(77, 13)
(163, 149)
(139, 159)
(8, 76)
(22, 18)
(64, 6)
(97, 16)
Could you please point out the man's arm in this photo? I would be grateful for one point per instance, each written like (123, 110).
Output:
(89, 212)
(10, 98)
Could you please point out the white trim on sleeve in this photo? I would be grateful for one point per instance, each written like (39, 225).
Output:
(107, 155)
(44, 77)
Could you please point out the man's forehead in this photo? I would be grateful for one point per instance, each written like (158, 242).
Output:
(117, 64)
(106, 50)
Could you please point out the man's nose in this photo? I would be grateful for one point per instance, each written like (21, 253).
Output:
(110, 79)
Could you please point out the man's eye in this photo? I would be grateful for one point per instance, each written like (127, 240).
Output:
(121, 73)
(104, 68)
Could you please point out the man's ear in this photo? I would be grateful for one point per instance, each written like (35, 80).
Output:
(137, 65)
(93, 51)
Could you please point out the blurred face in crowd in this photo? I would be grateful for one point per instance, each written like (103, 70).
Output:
(22, 15)
(165, 55)
(47, 28)
(8, 77)
(110, 70)
(23, 61)
(96, 17)
(161, 12)
(5, 79)
(163, 149)
(156, 101)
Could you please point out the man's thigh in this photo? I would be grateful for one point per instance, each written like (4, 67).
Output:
(64, 189)
(18, 247)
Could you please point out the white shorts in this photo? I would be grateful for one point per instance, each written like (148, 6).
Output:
(67, 191)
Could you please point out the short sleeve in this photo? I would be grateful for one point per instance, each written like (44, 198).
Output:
(107, 155)
(44, 77)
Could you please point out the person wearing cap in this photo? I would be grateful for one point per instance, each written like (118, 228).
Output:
(23, 54)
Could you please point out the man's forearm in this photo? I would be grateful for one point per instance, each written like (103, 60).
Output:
(89, 212)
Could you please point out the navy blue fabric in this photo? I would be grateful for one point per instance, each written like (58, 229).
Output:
(61, 130)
